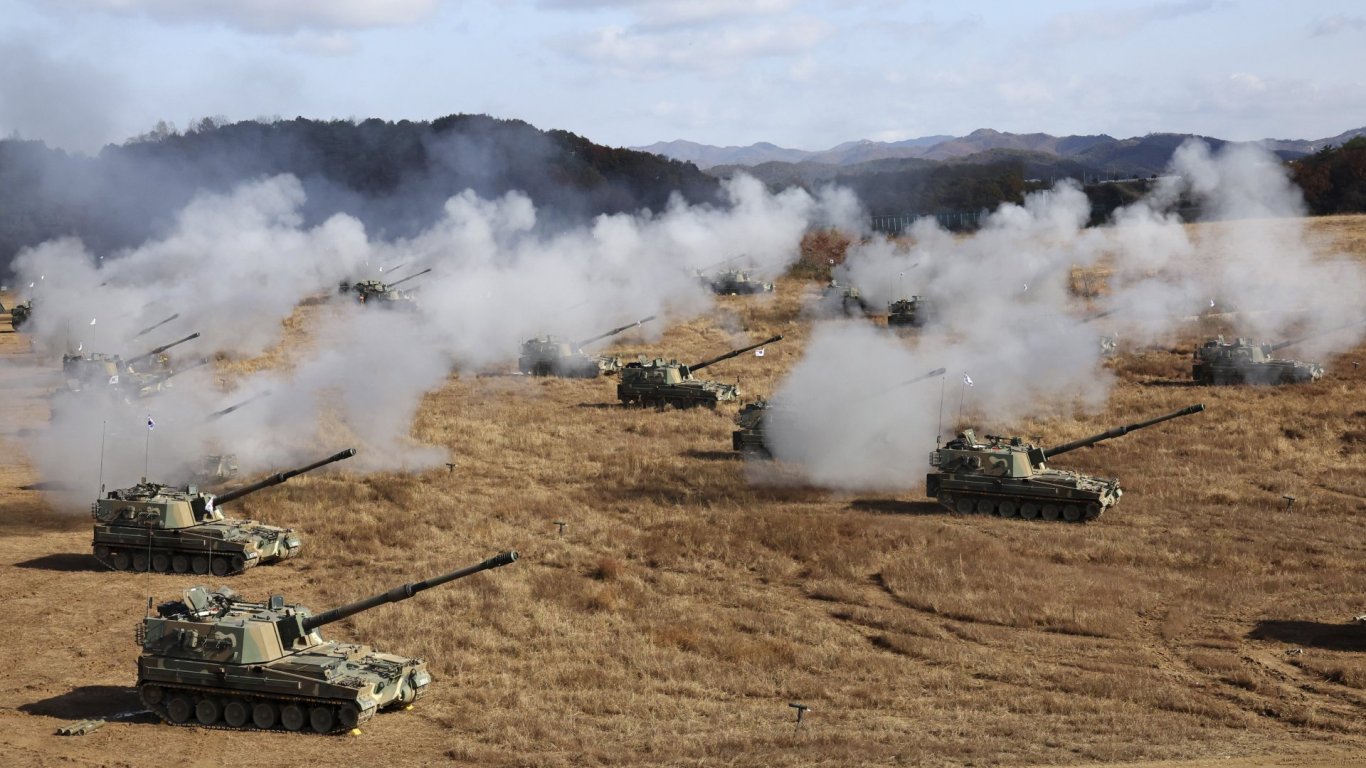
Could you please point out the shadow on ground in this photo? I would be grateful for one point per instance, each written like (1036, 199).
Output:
(898, 507)
(65, 561)
(1312, 634)
(693, 453)
(104, 702)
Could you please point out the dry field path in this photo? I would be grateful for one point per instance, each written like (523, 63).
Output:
(683, 607)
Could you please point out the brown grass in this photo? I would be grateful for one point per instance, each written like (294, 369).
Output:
(682, 609)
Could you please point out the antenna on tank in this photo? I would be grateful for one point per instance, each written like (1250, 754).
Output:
(939, 431)
(104, 427)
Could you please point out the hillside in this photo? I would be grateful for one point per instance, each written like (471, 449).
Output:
(690, 597)
(394, 176)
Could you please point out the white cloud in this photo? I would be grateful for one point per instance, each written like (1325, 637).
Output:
(1071, 27)
(1339, 23)
(269, 16)
(641, 51)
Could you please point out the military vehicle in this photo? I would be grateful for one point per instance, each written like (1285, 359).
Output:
(178, 529)
(659, 382)
(19, 314)
(736, 282)
(908, 312)
(558, 356)
(213, 659)
(1009, 478)
(214, 468)
(1245, 362)
(849, 298)
(750, 438)
(134, 378)
(378, 292)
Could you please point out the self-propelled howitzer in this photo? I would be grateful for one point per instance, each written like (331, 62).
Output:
(212, 659)
(558, 356)
(662, 382)
(133, 362)
(1245, 362)
(1007, 477)
(171, 529)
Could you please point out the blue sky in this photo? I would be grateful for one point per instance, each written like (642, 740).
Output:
(799, 73)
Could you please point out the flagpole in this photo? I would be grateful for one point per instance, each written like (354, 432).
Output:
(147, 447)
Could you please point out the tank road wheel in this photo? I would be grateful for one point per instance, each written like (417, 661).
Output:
(179, 708)
(322, 719)
(348, 716)
(264, 715)
(236, 713)
(220, 566)
(1093, 510)
(1071, 513)
(208, 710)
(140, 562)
(199, 564)
(121, 560)
(239, 563)
(1051, 511)
(292, 717)
(986, 506)
(180, 563)
(152, 695)
(161, 562)
(102, 554)
(965, 506)
(1029, 510)
(1007, 508)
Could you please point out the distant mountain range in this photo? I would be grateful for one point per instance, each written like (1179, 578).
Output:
(1096, 155)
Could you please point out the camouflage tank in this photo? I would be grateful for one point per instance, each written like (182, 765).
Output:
(177, 530)
(215, 468)
(212, 659)
(558, 356)
(908, 312)
(736, 282)
(659, 382)
(849, 299)
(380, 293)
(1244, 362)
(20, 313)
(1008, 478)
(751, 438)
(136, 377)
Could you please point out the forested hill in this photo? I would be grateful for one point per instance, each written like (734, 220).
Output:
(394, 176)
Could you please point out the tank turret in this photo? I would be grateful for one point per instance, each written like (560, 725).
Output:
(214, 659)
(662, 382)
(20, 313)
(171, 529)
(1007, 477)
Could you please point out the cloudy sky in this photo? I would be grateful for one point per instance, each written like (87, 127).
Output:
(799, 73)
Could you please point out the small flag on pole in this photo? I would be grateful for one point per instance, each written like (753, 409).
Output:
(967, 379)
(151, 424)
(1026, 285)
(114, 380)
(92, 321)
(1211, 303)
(759, 352)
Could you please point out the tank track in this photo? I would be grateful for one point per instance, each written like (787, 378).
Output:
(1071, 511)
(163, 560)
(216, 717)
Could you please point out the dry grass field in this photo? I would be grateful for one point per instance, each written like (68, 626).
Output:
(682, 609)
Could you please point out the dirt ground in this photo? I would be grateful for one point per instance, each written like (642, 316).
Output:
(684, 607)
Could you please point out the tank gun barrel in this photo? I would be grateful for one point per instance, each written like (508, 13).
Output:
(235, 406)
(410, 277)
(158, 350)
(734, 353)
(615, 331)
(155, 326)
(280, 477)
(1284, 344)
(1119, 431)
(404, 592)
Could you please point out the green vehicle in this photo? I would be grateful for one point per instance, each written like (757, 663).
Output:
(20, 313)
(911, 312)
(751, 438)
(178, 530)
(1009, 478)
(1243, 362)
(212, 659)
(558, 356)
(736, 282)
(134, 378)
(380, 293)
(659, 382)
